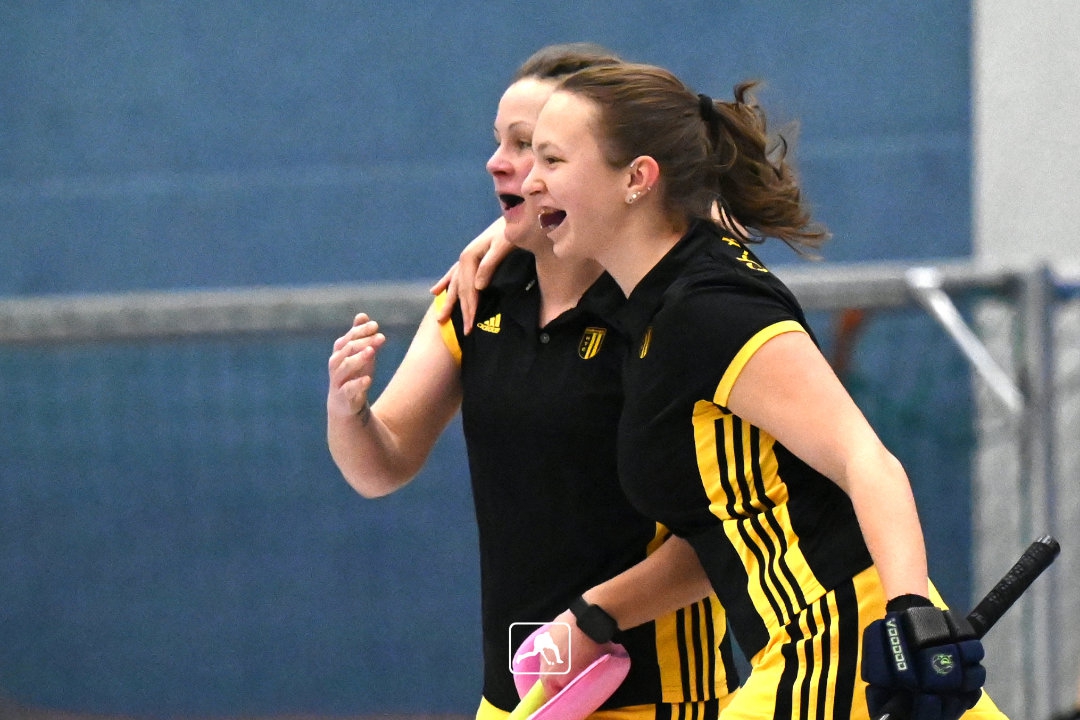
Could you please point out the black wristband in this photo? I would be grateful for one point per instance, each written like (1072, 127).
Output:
(900, 603)
(593, 620)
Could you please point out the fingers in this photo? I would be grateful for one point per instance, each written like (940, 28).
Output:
(452, 283)
(362, 327)
(468, 301)
(498, 250)
(467, 295)
(484, 271)
(354, 352)
(352, 370)
(554, 676)
(574, 651)
(356, 390)
(913, 657)
(473, 272)
(347, 366)
(444, 281)
(553, 684)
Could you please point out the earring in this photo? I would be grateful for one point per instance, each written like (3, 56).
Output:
(633, 196)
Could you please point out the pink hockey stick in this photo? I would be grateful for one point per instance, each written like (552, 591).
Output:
(581, 697)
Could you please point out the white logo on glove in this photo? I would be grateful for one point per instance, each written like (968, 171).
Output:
(893, 632)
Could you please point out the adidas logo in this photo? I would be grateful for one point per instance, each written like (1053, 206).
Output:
(492, 324)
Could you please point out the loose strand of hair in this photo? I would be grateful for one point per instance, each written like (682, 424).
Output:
(758, 185)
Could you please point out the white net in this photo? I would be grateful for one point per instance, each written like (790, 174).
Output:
(1027, 482)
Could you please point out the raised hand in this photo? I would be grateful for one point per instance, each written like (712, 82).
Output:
(352, 368)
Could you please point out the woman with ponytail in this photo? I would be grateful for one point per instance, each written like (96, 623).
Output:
(735, 433)
(537, 384)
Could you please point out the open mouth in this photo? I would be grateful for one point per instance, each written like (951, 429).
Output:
(509, 200)
(551, 219)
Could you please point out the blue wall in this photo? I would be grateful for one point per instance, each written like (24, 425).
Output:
(173, 537)
(150, 145)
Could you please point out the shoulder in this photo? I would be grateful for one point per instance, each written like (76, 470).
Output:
(727, 282)
(514, 277)
(506, 293)
(516, 269)
(723, 260)
(723, 299)
(602, 300)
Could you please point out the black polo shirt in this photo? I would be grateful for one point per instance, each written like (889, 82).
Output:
(772, 533)
(540, 413)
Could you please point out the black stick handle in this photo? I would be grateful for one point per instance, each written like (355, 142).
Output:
(1008, 590)
(1001, 597)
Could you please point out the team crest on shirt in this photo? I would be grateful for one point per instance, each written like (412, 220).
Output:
(591, 340)
(492, 324)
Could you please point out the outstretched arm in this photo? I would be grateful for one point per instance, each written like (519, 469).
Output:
(380, 446)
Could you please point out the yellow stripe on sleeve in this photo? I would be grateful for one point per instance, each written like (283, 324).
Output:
(723, 390)
(446, 329)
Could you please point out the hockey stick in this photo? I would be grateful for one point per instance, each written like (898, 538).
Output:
(1001, 597)
(581, 697)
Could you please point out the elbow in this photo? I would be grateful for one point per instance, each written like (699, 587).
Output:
(868, 469)
(891, 465)
(369, 479)
(369, 494)
(372, 487)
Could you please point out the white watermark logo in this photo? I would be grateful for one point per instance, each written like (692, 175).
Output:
(531, 645)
